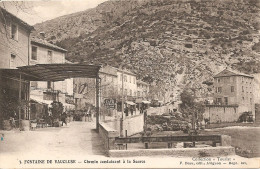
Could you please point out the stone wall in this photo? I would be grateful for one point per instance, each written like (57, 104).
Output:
(218, 114)
(108, 135)
(133, 124)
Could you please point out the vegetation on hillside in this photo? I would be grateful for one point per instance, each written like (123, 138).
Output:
(176, 44)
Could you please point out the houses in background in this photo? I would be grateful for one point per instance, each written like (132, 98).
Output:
(114, 82)
(142, 90)
(85, 92)
(233, 95)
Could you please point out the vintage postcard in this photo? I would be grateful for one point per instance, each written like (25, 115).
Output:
(130, 84)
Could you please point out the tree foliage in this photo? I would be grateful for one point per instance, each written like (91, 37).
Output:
(189, 106)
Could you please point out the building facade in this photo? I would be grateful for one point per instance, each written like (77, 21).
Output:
(127, 84)
(15, 41)
(142, 90)
(14, 52)
(85, 88)
(43, 52)
(233, 91)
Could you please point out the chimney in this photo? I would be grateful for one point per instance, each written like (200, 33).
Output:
(42, 35)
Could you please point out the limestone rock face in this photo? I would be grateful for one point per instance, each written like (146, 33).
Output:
(169, 44)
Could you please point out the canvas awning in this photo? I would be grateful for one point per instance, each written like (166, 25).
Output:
(42, 101)
(52, 72)
(130, 103)
(146, 102)
(59, 72)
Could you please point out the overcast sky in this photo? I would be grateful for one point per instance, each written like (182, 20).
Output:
(38, 11)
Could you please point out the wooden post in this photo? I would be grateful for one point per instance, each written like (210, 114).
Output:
(29, 108)
(97, 103)
(126, 137)
(20, 98)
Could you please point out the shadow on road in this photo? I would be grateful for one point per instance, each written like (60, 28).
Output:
(97, 144)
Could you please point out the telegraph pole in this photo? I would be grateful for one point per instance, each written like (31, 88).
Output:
(122, 117)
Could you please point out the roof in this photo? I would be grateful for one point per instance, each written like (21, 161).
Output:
(53, 72)
(141, 82)
(227, 73)
(126, 71)
(44, 43)
(25, 24)
(109, 70)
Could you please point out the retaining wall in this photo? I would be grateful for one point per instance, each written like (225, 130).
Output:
(108, 135)
(133, 124)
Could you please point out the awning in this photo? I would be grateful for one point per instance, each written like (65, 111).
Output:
(53, 72)
(130, 103)
(146, 102)
(42, 101)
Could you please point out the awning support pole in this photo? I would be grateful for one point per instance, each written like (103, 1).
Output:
(97, 103)
(29, 110)
(20, 98)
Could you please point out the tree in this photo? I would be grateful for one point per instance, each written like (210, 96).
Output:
(189, 106)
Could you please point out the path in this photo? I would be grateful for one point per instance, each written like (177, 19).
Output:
(78, 138)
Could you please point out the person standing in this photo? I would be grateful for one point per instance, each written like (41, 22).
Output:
(63, 118)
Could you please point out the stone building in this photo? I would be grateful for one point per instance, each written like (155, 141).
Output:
(43, 52)
(233, 95)
(85, 92)
(142, 90)
(14, 52)
(129, 83)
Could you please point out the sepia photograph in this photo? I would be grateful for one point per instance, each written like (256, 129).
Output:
(130, 84)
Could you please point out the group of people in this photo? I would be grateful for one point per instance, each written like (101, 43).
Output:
(129, 109)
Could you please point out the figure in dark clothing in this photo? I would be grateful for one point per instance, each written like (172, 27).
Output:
(132, 111)
(126, 111)
(63, 118)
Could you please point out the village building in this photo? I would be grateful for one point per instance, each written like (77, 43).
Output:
(127, 82)
(257, 96)
(142, 90)
(43, 52)
(84, 88)
(233, 95)
(14, 49)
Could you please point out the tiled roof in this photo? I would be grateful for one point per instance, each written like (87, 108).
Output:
(141, 82)
(227, 72)
(44, 43)
(109, 70)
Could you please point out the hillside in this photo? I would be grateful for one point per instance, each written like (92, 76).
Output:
(173, 44)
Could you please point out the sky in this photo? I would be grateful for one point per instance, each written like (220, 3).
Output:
(41, 10)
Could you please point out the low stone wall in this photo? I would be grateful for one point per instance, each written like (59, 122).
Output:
(176, 152)
(133, 124)
(108, 135)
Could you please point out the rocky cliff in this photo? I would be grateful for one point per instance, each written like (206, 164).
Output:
(170, 44)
